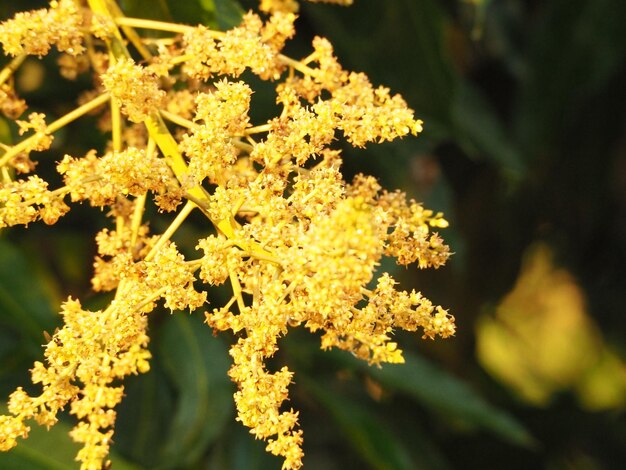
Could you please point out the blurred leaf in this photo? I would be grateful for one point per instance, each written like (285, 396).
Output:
(14, 362)
(197, 364)
(217, 14)
(194, 12)
(144, 416)
(24, 304)
(480, 132)
(478, 10)
(60, 260)
(504, 35)
(441, 392)
(228, 12)
(238, 450)
(49, 450)
(431, 70)
(8, 342)
(373, 441)
(577, 46)
(151, 9)
(5, 131)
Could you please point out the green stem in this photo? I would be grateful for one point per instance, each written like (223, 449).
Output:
(130, 33)
(297, 65)
(176, 119)
(140, 202)
(258, 129)
(11, 67)
(234, 280)
(159, 26)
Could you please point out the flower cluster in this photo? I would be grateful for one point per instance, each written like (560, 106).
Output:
(34, 32)
(251, 45)
(273, 6)
(298, 245)
(136, 89)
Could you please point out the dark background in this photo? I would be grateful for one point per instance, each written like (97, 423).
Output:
(523, 149)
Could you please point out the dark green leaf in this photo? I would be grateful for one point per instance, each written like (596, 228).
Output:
(5, 131)
(193, 12)
(371, 438)
(197, 364)
(228, 12)
(441, 392)
(15, 361)
(24, 303)
(151, 9)
(238, 450)
(144, 416)
(481, 134)
(576, 48)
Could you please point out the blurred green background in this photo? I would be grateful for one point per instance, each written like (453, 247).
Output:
(524, 149)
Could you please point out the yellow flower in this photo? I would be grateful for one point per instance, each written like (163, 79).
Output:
(136, 88)
(35, 31)
(297, 244)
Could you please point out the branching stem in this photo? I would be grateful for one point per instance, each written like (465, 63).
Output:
(11, 67)
(53, 127)
(176, 223)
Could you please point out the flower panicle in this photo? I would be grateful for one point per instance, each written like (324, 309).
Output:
(295, 243)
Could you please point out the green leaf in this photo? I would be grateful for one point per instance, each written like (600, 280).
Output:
(197, 365)
(149, 9)
(441, 392)
(481, 134)
(371, 438)
(5, 131)
(15, 361)
(238, 450)
(576, 49)
(24, 304)
(228, 12)
(144, 416)
(49, 450)
(194, 12)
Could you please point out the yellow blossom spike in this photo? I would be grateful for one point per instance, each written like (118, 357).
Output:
(299, 245)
